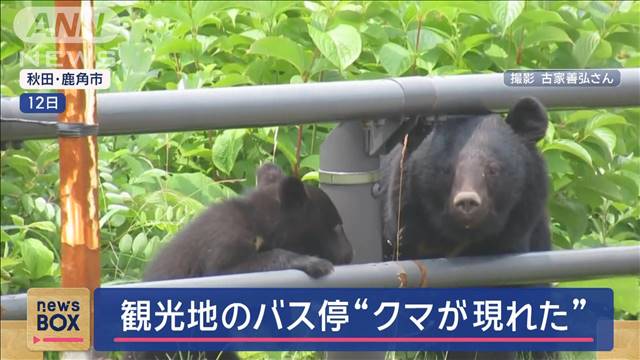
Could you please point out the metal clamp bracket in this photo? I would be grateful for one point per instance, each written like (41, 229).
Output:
(76, 129)
(348, 178)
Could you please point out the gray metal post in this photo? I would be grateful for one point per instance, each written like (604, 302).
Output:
(347, 174)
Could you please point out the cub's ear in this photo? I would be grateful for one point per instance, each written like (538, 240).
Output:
(268, 174)
(528, 118)
(292, 194)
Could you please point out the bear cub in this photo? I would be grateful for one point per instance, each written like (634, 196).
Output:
(472, 185)
(282, 224)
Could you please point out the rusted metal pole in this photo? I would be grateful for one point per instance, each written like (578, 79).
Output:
(78, 160)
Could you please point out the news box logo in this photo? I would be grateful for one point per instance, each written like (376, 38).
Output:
(58, 319)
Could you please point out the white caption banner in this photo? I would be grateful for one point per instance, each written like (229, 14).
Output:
(53, 79)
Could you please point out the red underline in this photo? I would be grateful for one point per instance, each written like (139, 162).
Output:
(63, 339)
(354, 339)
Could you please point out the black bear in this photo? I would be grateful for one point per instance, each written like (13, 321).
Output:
(282, 224)
(470, 185)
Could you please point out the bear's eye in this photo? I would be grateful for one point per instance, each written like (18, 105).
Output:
(492, 170)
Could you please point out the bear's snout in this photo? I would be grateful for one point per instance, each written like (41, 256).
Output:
(468, 209)
(467, 202)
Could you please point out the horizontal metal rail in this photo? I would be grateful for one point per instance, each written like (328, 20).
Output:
(521, 269)
(269, 105)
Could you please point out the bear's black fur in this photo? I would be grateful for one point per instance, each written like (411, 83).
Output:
(473, 185)
(282, 224)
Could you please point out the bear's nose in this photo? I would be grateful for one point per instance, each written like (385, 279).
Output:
(467, 202)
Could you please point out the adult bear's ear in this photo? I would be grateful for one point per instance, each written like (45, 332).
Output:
(292, 194)
(528, 118)
(268, 174)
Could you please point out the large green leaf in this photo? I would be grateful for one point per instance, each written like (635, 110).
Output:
(571, 147)
(203, 9)
(602, 120)
(504, 13)
(267, 9)
(429, 39)
(571, 214)
(395, 59)
(38, 259)
(581, 115)
(135, 57)
(474, 40)
(139, 243)
(172, 10)
(172, 46)
(341, 45)
(541, 16)
(125, 243)
(608, 186)
(281, 48)
(585, 47)
(547, 34)
(605, 137)
(43, 225)
(226, 148)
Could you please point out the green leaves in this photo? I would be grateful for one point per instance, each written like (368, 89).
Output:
(226, 148)
(172, 10)
(395, 59)
(341, 45)
(281, 48)
(570, 147)
(504, 13)
(585, 47)
(572, 214)
(178, 46)
(547, 33)
(610, 186)
(37, 258)
(428, 40)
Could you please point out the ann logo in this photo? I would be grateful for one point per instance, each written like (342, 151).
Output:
(43, 24)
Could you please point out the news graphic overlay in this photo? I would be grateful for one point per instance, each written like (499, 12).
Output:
(354, 319)
(42, 103)
(58, 319)
(54, 79)
(562, 78)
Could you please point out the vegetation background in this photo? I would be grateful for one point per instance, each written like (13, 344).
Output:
(151, 185)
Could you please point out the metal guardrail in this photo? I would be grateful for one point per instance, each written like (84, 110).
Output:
(503, 270)
(269, 105)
